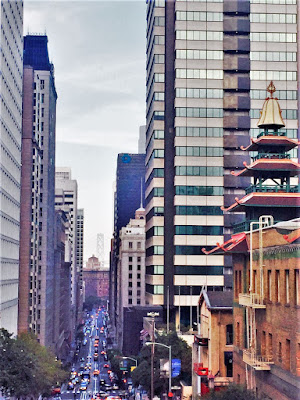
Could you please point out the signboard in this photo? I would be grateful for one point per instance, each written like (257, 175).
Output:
(153, 314)
(132, 368)
(176, 367)
(123, 365)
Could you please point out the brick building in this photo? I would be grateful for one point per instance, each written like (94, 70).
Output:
(265, 258)
(214, 341)
(96, 279)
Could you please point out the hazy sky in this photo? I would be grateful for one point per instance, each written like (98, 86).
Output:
(98, 51)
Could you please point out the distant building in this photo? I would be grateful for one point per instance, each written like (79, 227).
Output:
(36, 290)
(142, 140)
(130, 178)
(80, 242)
(96, 279)
(11, 61)
(131, 268)
(100, 248)
(136, 322)
(214, 342)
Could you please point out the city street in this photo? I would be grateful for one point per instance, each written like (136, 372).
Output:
(94, 328)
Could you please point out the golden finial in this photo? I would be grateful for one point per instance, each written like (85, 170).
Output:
(271, 89)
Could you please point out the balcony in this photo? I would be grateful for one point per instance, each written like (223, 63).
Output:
(261, 363)
(272, 133)
(244, 226)
(272, 188)
(251, 300)
(277, 156)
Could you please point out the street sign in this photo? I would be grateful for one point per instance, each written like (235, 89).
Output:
(123, 365)
(176, 367)
(132, 368)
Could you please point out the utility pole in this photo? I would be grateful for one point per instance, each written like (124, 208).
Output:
(168, 309)
(152, 358)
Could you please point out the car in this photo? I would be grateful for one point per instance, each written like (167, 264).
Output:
(109, 371)
(83, 385)
(96, 372)
(70, 386)
(105, 357)
(103, 352)
(102, 382)
(106, 366)
(96, 357)
(115, 387)
(84, 342)
(55, 391)
(114, 397)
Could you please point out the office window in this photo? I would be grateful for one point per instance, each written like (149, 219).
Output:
(189, 73)
(296, 288)
(129, 292)
(158, 269)
(270, 345)
(130, 257)
(138, 292)
(229, 334)
(129, 301)
(277, 286)
(130, 245)
(269, 285)
(129, 276)
(238, 334)
(158, 289)
(138, 276)
(138, 301)
(280, 352)
(139, 245)
(287, 286)
(138, 267)
(263, 343)
(130, 284)
(139, 259)
(288, 354)
(138, 284)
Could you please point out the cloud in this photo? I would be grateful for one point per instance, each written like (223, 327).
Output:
(98, 51)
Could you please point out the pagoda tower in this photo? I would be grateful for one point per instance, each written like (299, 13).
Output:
(271, 169)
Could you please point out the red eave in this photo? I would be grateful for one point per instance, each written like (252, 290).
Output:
(266, 164)
(236, 244)
(293, 236)
(269, 199)
(271, 141)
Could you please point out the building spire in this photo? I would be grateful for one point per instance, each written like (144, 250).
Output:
(270, 115)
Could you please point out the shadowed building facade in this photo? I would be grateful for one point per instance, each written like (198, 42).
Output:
(207, 67)
(36, 289)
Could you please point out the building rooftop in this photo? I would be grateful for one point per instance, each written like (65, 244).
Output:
(218, 300)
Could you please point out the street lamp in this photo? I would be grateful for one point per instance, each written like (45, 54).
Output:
(170, 362)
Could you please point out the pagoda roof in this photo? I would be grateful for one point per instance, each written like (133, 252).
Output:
(270, 141)
(236, 244)
(268, 164)
(265, 199)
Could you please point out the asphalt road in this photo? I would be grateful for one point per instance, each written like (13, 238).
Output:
(85, 352)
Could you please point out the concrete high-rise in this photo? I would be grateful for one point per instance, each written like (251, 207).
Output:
(11, 66)
(79, 245)
(131, 269)
(66, 199)
(208, 63)
(36, 290)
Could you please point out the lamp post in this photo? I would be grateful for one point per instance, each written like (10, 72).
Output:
(170, 362)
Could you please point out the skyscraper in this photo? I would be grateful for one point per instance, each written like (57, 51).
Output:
(11, 67)
(36, 293)
(128, 197)
(79, 245)
(208, 62)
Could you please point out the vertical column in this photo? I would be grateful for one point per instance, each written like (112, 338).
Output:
(236, 105)
(169, 192)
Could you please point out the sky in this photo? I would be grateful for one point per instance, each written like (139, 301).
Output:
(98, 51)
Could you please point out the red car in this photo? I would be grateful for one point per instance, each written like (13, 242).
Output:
(106, 366)
(55, 391)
